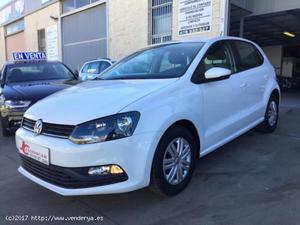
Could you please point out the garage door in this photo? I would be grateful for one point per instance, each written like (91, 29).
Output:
(84, 36)
(14, 43)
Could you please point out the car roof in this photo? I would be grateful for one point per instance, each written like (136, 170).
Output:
(99, 60)
(203, 40)
(33, 61)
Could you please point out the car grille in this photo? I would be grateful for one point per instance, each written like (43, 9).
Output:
(68, 177)
(49, 129)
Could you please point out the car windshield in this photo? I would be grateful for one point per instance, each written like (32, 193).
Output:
(36, 71)
(165, 61)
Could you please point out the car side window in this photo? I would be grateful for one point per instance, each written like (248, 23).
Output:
(218, 55)
(92, 68)
(103, 66)
(247, 56)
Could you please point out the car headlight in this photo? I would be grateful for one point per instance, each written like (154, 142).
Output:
(105, 129)
(15, 104)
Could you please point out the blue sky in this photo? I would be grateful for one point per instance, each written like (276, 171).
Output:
(3, 2)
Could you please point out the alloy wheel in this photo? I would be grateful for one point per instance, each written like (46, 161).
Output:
(272, 113)
(177, 161)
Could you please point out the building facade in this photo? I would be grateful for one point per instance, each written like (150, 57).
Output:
(75, 31)
(137, 23)
(29, 26)
(115, 28)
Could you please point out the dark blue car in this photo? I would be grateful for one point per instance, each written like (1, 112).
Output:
(25, 83)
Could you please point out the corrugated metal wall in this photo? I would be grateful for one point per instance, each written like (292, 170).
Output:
(84, 36)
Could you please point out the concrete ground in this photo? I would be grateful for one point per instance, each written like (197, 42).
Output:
(252, 180)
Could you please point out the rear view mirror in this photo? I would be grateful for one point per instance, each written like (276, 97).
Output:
(217, 73)
(2, 83)
(76, 74)
(1, 80)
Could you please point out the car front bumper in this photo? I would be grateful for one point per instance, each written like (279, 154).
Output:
(11, 119)
(134, 155)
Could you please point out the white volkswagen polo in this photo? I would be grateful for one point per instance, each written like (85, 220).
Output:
(145, 120)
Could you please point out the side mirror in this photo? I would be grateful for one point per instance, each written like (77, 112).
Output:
(217, 73)
(76, 74)
(1, 84)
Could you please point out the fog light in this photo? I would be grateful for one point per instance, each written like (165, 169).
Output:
(105, 170)
(114, 169)
(96, 171)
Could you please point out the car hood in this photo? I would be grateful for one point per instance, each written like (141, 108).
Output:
(87, 76)
(92, 100)
(34, 91)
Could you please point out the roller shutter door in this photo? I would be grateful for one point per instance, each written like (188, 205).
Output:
(84, 36)
(14, 43)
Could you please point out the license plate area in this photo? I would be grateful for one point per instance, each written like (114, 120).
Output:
(34, 151)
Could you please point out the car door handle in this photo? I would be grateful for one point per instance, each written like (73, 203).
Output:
(243, 85)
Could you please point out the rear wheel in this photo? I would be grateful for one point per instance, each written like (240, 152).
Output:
(269, 125)
(174, 161)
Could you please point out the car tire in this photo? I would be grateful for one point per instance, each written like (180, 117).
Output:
(173, 166)
(269, 125)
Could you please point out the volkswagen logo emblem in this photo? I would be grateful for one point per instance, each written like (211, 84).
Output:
(38, 126)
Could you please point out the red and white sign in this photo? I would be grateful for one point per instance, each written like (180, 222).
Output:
(35, 152)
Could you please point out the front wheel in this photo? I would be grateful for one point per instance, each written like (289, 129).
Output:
(269, 125)
(174, 161)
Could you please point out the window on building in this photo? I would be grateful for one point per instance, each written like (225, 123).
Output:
(80, 3)
(14, 27)
(69, 5)
(45, 1)
(42, 40)
(161, 19)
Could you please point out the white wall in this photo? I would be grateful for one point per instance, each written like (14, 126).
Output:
(2, 46)
(36, 21)
(128, 26)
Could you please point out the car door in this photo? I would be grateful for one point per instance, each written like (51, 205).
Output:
(253, 79)
(221, 99)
